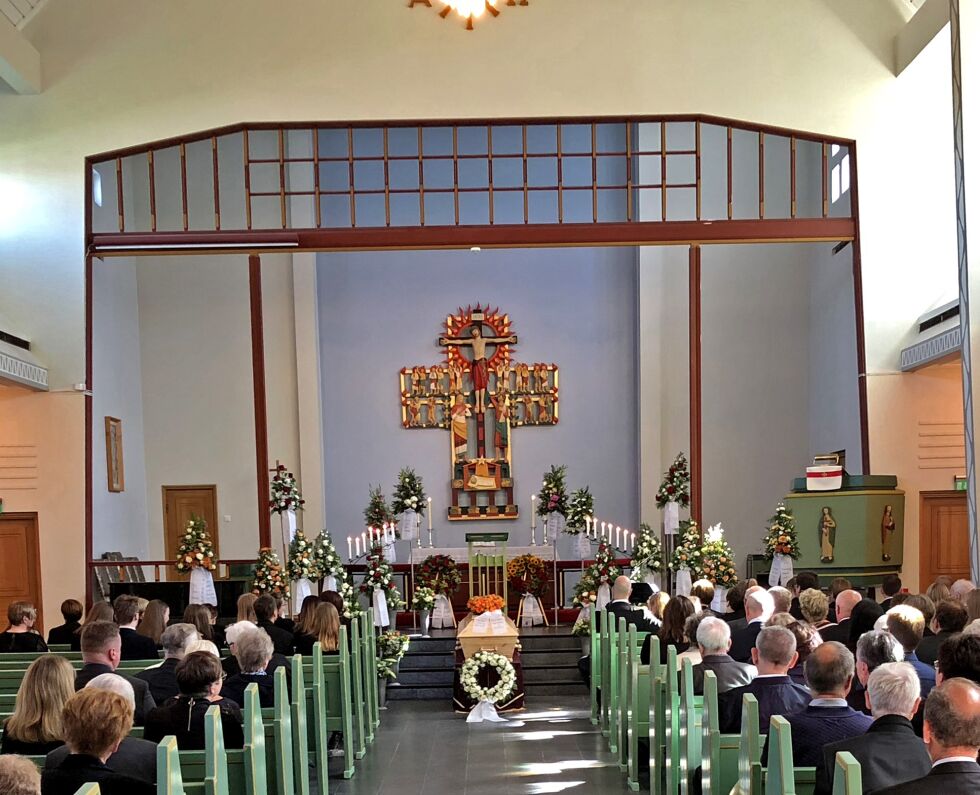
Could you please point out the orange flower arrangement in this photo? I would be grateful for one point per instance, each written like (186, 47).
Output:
(485, 604)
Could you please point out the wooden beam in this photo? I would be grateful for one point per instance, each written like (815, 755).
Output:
(925, 25)
(20, 62)
(859, 317)
(694, 345)
(258, 394)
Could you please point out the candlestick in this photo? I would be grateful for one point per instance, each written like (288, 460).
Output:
(357, 545)
(418, 529)
(603, 530)
(350, 549)
(618, 531)
(534, 515)
(429, 500)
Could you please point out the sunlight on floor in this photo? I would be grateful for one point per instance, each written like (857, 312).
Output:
(553, 786)
(542, 735)
(557, 768)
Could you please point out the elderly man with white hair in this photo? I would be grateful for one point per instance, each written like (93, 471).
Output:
(759, 607)
(136, 757)
(890, 752)
(230, 665)
(162, 678)
(714, 640)
(961, 589)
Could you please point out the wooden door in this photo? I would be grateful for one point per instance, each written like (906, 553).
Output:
(180, 505)
(944, 543)
(20, 563)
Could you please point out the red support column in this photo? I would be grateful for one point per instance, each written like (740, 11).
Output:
(694, 344)
(258, 389)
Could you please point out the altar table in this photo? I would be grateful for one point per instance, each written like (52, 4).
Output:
(462, 554)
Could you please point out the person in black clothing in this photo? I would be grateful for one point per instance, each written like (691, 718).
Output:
(230, 663)
(283, 621)
(890, 586)
(672, 630)
(266, 614)
(162, 678)
(20, 636)
(71, 610)
(949, 620)
(100, 655)
(134, 645)
(95, 723)
(874, 648)
(199, 678)
(620, 607)
(758, 609)
(253, 649)
(35, 727)
(322, 627)
(100, 611)
(803, 581)
(735, 599)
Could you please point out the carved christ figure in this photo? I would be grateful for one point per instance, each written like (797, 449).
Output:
(478, 368)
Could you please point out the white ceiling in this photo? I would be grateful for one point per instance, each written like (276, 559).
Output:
(18, 12)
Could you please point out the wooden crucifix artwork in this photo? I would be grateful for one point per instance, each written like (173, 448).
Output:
(478, 394)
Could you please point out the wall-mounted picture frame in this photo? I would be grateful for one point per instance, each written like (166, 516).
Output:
(114, 454)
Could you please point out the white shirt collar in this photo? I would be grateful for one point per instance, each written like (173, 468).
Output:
(954, 759)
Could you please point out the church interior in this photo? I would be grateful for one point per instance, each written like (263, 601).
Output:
(527, 356)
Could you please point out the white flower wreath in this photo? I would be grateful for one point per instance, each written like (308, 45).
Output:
(469, 676)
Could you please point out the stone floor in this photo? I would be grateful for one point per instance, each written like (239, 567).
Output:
(423, 747)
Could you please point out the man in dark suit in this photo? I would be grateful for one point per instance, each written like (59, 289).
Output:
(827, 718)
(890, 586)
(774, 654)
(620, 606)
(906, 623)
(952, 736)
(873, 649)
(758, 610)
(803, 581)
(134, 645)
(950, 618)
(959, 657)
(135, 757)
(735, 599)
(101, 649)
(162, 678)
(714, 640)
(844, 604)
(266, 613)
(640, 594)
(889, 752)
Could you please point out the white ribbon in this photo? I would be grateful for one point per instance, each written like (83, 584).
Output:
(380, 608)
(653, 580)
(481, 624)
(682, 582)
(531, 615)
(583, 546)
(301, 590)
(388, 551)
(408, 525)
(719, 602)
(781, 571)
(484, 711)
(330, 583)
(202, 588)
(672, 518)
(555, 523)
(498, 624)
(603, 596)
(442, 612)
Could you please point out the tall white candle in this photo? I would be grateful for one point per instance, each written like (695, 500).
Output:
(364, 542)
(632, 540)
(603, 530)
(350, 549)
(429, 511)
(357, 545)
(618, 531)
(534, 516)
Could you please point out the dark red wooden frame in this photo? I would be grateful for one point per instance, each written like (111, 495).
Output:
(252, 242)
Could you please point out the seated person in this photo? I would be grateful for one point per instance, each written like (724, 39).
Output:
(907, 624)
(323, 628)
(952, 736)
(782, 599)
(266, 613)
(283, 621)
(253, 650)
(19, 776)
(959, 657)
(759, 608)
(127, 616)
(95, 723)
(774, 654)
(807, 639)
(714, 638)
(890, 586)
(671, 633)
(620, 606)
(815, 607)
(950, 619)
(803, 581)
(101, 649)
(135, 756)
(20, 636)
(889, 753)
(199, 678)
(154, 620)
(35, 727)
(230, 664)
(71, 611)
(100, 611)
(162, 678)
(873, 649)
(704, 592)
(735, 604)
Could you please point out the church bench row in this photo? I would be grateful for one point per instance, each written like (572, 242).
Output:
(655, 705)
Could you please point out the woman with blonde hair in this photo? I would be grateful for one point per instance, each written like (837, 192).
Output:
(35, 727)
(815, 606)
(156, 616)
(20, 636)
(100, 611)
(246, 608)
(656, 605)
(199, 616)
(938, 592)
(322, 628)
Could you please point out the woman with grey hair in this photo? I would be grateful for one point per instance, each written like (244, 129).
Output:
(253, 650)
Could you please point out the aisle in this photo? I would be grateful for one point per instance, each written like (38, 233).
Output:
(424, 748)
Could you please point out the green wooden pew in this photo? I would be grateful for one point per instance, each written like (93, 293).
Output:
(749, 750)
(329, 702)
(719, 752)
(357, 688)
(368, 680)
(301, 750)
(216, 757)
(847, 775)
(690, 718)
(169, 778)
(372, 676)
(630, 645)
(595, 672)
(88, 789)
(638, 692)
(658, 721)
(602, 669)
(309, 687)
(780, 776)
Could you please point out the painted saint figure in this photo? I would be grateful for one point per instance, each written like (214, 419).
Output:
(459, 412)
(828, 534)
(887, 531)
(479, 371)
(501, 426)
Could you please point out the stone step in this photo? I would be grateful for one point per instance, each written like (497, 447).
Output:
(431, 645)
(543, 659)
(436, 676)
(550, 643)
(533, 690)
(428, 693)
(416, 662)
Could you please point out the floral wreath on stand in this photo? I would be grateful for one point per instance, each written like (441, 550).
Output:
(326, 559)
(648, 554)
(553, 497)
(469, 677)
(676, 484)
(581, 507)
(285, 492)
(196, 548)
(600, 570)
(269, 577)
(527, 574)
(485, 604)
(378, 577)
(440, 573)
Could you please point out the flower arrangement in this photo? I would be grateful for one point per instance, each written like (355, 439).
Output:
(580, 628)
(648, 555)
(581, 506)
(377, 512)
(470, 677)
(196, 549)
(392, 646)
(553, 497)
(676, 484)
(717, 563)
(325, 557)
(352, 607)
(440, 573)
(409, 494)
(485, 604)
(527, 574)
(269, 577)
(285, 492)
(687, 553)
(423, 599)
(601, 570)
(302, 562)
(781, 538)
(378, 577)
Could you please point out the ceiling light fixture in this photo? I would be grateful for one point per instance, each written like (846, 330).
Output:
(469, 10)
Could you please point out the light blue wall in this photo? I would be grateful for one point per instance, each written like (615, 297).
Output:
(382, 311)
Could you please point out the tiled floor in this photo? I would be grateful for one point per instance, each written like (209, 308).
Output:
(424, 748)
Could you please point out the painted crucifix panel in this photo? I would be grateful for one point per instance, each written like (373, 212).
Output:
(479, 395)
